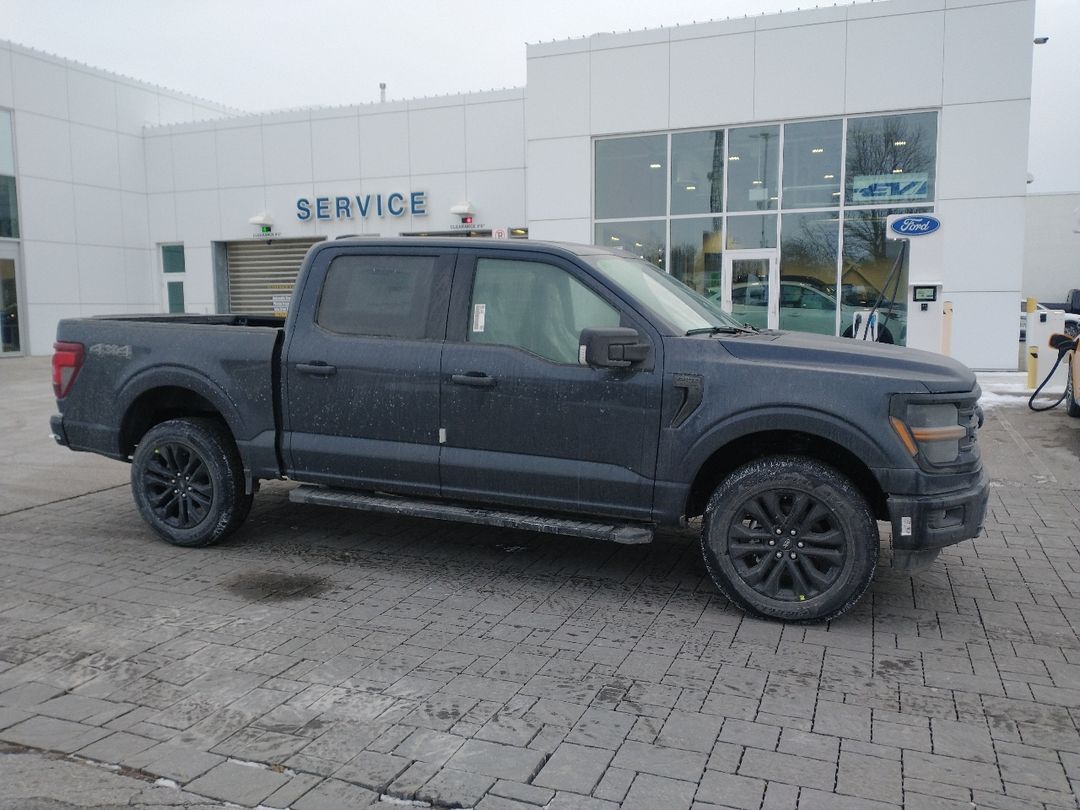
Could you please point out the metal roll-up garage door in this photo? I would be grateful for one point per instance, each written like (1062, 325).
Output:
(261, 275)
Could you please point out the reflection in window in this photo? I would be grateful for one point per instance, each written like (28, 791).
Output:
(697, 172)
(696, 258)
(644, 240)
(9, 308)
(9, 211)
(812, 164)
(752, 168)
(631, 178)
(751, 232)
(891, 158)
(808, 260)
(869, 258)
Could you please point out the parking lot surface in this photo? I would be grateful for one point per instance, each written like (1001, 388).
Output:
(329, 659)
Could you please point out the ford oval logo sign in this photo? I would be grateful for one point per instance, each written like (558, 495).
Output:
(916, 225)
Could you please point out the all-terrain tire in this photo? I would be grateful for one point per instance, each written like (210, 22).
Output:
(188, 482)
(789, 537)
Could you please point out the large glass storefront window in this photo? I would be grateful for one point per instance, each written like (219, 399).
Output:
(9, 211)
(808, 244)
(753, 168)
(10, 336)
(697, 253)
(631, 177)
(751, 232)
(697, 172)
(816, 192)
(891, 159)
(870, 276)
(644, 239)
(812, 164)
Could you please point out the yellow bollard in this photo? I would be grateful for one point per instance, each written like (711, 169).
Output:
(1031, 349)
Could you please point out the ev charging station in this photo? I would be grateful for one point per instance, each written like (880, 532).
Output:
(927, 326)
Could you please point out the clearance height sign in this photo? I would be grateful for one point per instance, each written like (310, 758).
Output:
(362, 206)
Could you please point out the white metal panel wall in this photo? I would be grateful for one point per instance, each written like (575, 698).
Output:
(261, 274)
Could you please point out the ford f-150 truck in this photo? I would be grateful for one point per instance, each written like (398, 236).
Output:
(559, 388)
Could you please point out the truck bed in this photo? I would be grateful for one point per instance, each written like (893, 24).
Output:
(230, 361)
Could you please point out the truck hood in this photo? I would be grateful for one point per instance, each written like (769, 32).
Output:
(938, 373)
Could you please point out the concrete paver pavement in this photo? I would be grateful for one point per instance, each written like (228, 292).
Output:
(326, 659)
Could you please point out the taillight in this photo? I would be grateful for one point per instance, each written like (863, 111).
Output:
(67, 359)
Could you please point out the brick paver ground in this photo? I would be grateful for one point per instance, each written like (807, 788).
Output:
(325, 659)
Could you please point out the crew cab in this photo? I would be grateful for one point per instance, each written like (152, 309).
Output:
(554, 387)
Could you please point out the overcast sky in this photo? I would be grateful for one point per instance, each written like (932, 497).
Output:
(272, 54)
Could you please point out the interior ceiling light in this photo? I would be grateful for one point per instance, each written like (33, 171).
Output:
(733, 157)
(615, 239)
(656, 166)
(756, 183)
(830, 176)
(691, 188)
(836, 193)
(897, 171)
(638, 244)
(817, 150)
(899, 143)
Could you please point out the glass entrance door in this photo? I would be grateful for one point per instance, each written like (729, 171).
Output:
(10, 342)
(751, 286)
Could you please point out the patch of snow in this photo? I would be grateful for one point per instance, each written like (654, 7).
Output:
(166, 783)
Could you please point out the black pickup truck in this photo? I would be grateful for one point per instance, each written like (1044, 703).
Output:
(559, 388)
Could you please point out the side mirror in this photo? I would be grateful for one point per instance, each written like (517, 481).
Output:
(1062, 343)
(611, 347)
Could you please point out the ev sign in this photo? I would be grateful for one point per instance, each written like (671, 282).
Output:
(915, 225)
(878, 188)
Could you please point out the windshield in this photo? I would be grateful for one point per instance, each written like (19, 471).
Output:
(669, 298)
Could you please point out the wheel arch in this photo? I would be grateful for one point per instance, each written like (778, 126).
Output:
(162, 394)
(849, 453)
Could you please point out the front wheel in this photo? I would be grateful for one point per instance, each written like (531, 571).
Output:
(788, 537)
(188, 482)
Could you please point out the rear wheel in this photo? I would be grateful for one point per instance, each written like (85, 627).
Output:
(790, 538)
(188, 482)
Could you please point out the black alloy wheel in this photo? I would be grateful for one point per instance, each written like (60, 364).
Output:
(178, 486)
(789, 537)
(786, 545)
(188, 481)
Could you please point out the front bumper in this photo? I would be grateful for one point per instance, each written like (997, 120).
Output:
(926, 522)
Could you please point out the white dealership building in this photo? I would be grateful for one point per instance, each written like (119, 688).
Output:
(745, 155)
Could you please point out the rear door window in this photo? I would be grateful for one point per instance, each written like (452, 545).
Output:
(378, 295)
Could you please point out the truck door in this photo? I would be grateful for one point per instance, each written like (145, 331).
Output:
(361, 370)
(525, 423)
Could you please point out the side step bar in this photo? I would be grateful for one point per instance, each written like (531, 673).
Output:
(629, 533)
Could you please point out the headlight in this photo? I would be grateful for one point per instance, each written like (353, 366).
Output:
(931, 428)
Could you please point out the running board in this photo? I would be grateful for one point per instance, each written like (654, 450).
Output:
(628, 533)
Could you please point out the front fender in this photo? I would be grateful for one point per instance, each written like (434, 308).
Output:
(820, 424)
